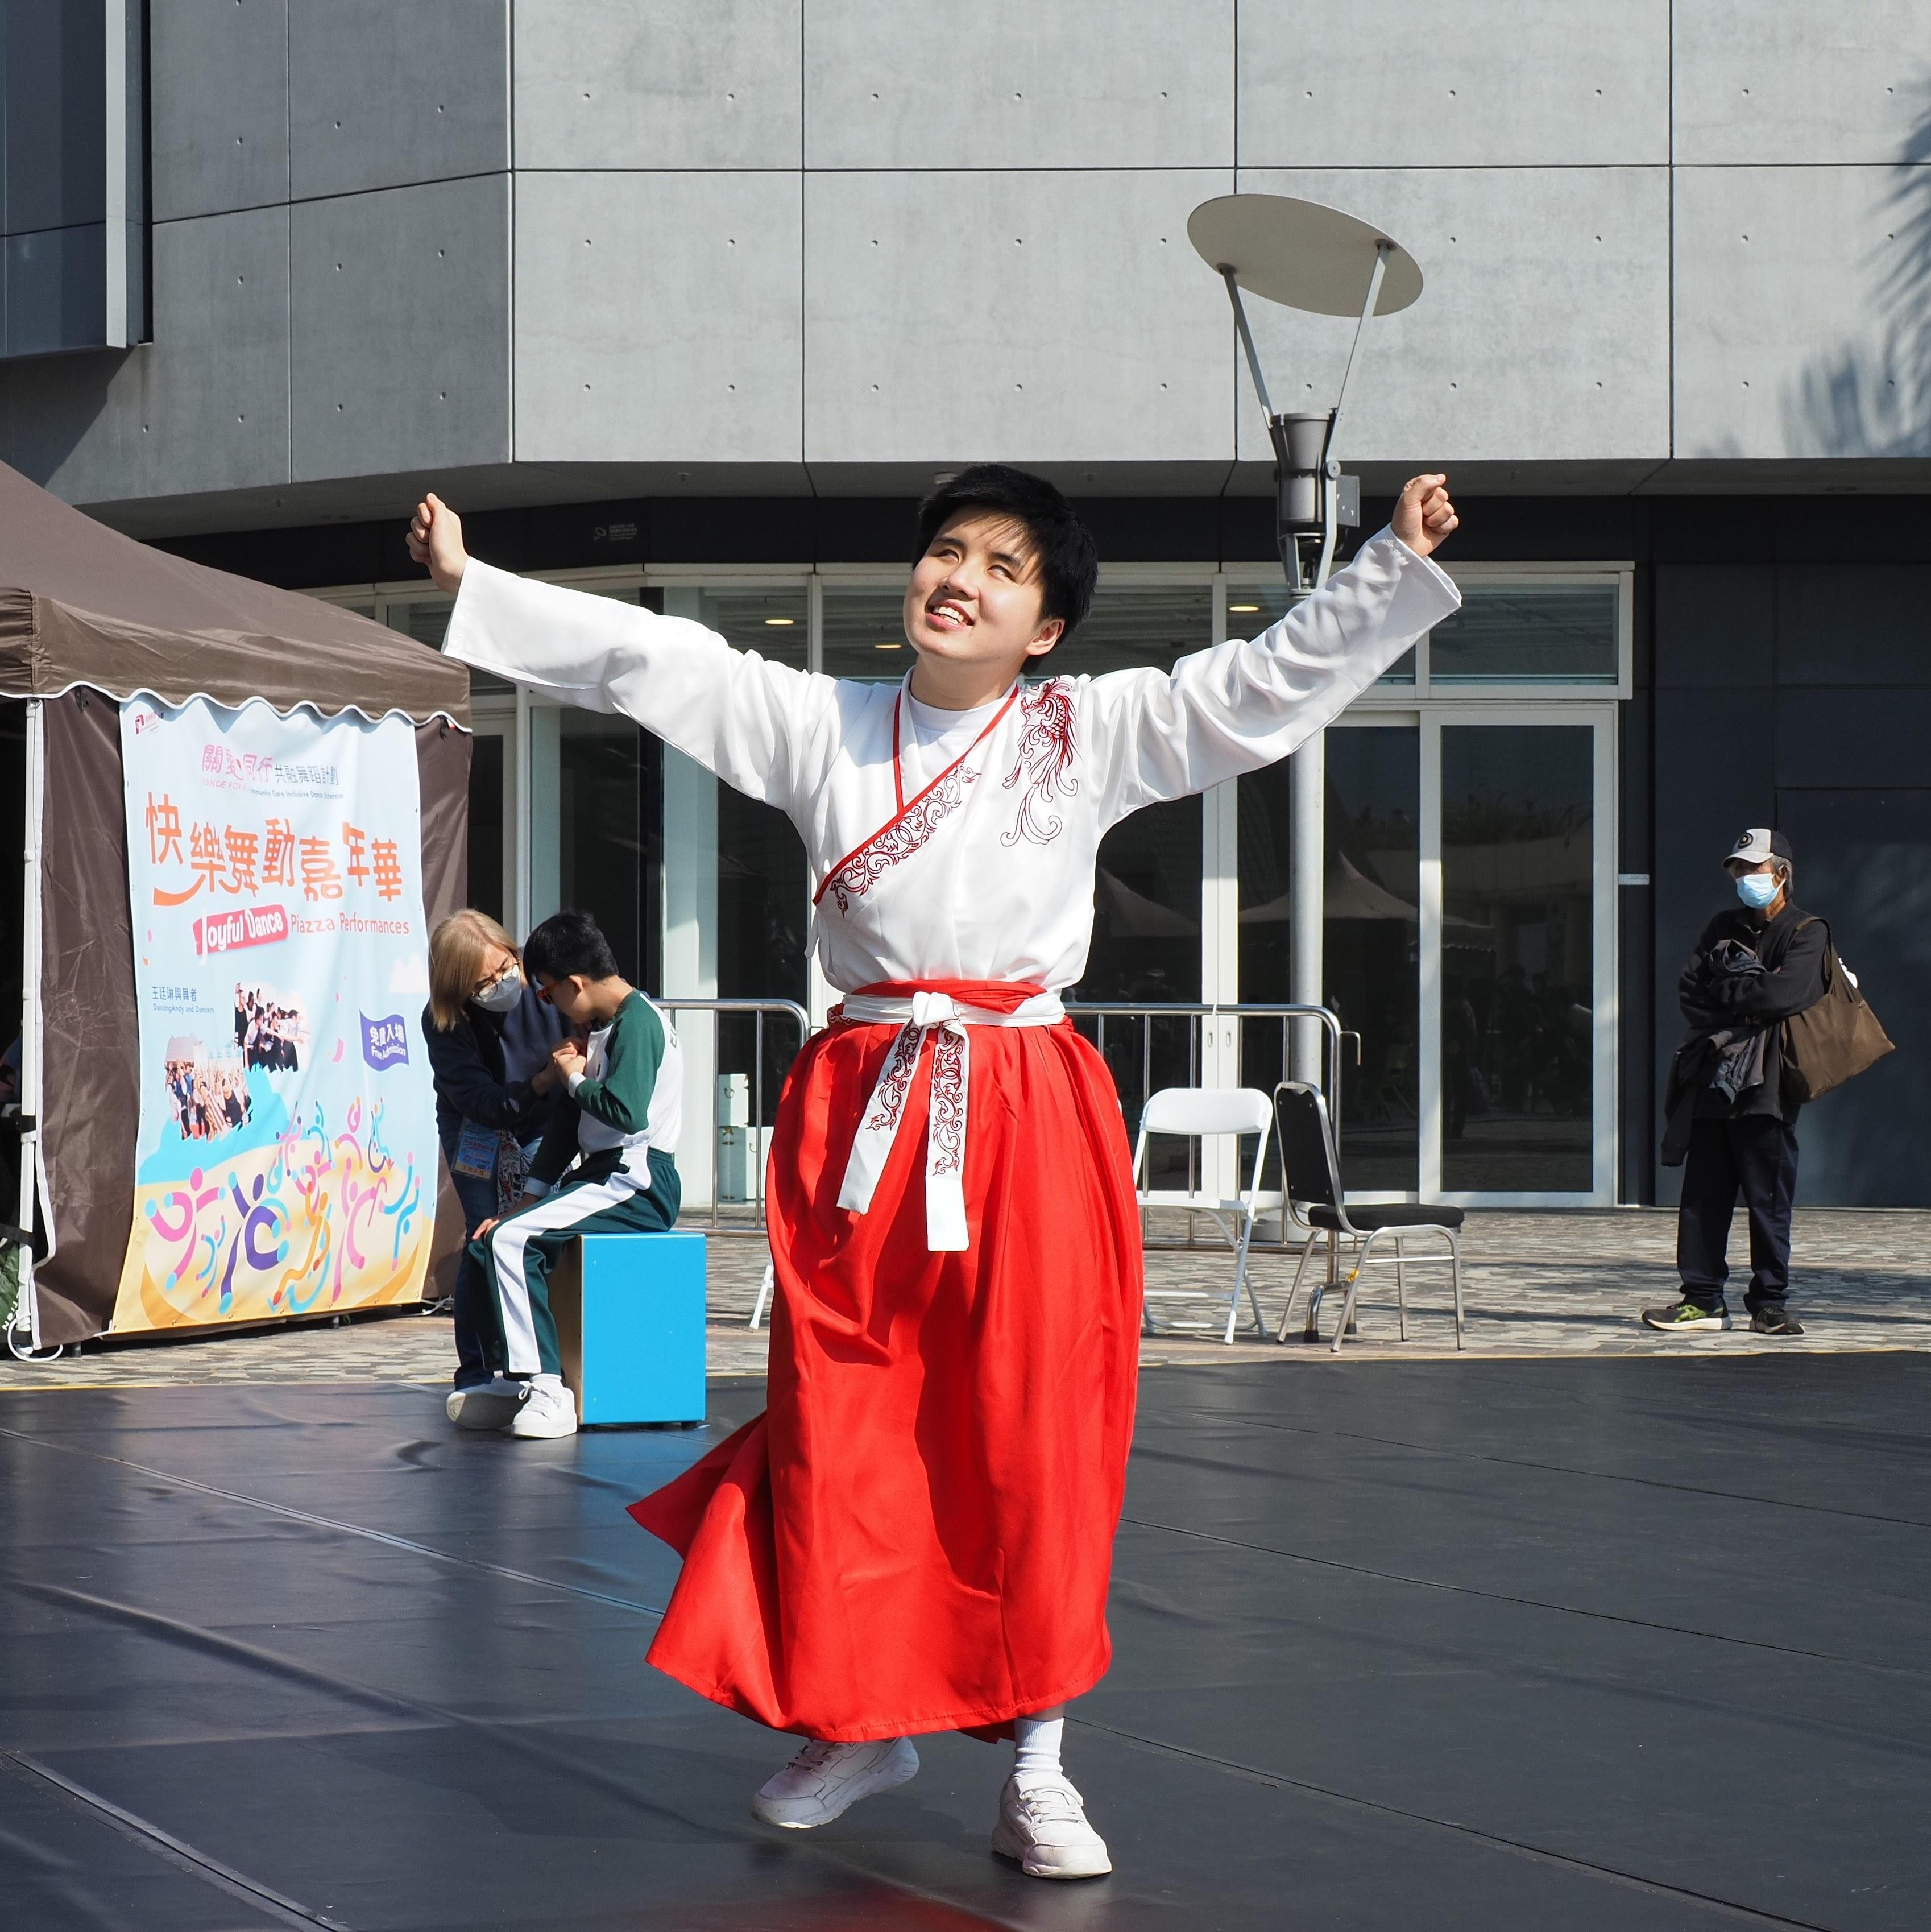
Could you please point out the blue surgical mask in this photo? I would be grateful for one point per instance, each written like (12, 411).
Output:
(1756, 889)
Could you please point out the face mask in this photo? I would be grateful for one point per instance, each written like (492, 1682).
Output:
(504, 995)
(1756, 889)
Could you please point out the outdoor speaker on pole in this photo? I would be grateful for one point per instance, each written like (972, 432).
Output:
(1305, 256)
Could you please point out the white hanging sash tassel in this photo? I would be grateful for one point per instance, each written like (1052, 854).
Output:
(948, 1023)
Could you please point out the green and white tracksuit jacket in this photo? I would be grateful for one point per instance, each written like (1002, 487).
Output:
(605, 1167)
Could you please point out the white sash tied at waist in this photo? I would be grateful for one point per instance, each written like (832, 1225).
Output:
(947, 1021)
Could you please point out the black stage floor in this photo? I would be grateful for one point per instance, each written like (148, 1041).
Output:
(1559, 1644)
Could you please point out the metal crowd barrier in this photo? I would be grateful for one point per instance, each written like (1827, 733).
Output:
(1100, 1017)
(1147, 1012)
(750, 1221)
(1195, 1015)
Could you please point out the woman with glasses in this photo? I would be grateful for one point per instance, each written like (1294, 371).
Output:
(491, 1040)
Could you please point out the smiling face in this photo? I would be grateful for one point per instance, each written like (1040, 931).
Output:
(972, 609)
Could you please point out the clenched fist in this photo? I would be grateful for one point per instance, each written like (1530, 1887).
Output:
(436, 538)
(1424, 517)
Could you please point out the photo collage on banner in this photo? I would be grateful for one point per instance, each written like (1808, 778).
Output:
(287, 1161)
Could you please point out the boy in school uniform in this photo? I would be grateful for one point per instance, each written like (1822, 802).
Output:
(606, 1166)
(917, 1533)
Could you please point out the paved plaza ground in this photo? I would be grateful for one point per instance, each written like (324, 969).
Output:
(1584, 1629)
(1559, 1644)
(1535, 1284)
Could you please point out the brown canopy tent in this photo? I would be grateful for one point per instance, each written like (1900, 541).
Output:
(88, 617)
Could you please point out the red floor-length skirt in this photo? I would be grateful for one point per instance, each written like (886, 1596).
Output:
(917, 1534)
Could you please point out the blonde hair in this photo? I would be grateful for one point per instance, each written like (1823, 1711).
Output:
(456, 950)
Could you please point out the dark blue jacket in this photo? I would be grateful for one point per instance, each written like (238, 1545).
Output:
(484, 1065)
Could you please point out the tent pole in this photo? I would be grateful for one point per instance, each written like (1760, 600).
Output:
(27, 1311)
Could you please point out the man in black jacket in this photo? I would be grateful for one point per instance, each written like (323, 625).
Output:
(1729, 1121)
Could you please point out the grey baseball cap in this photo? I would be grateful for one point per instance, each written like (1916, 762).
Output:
(1757, 844)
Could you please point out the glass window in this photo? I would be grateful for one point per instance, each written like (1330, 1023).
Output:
(425, 619)
(865, 635)
(1252, 608)
(1370, 938)
(610, 832)
(1128, 625)
(763, 893)
(1528, 634)
(1146, 931)
(1146, 949)
(762, 898)
(486, 825)
(1517, 1021)
(1131, 624)
(774, 623)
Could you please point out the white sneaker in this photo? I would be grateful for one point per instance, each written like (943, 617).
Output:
(825, 1780)
(1042, 1824)
(491, 1405)
(548, 1409)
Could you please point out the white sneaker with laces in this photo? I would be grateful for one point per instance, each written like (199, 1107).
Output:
(491, 1404)
(1042, 1825)
(548, 1409)
(826, 1780)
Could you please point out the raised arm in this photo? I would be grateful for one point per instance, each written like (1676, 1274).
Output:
(1242, 705)
(761, 727)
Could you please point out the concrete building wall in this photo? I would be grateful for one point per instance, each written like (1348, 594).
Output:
(650, 245)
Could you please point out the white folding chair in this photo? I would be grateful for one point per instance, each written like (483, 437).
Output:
(1192, 1113)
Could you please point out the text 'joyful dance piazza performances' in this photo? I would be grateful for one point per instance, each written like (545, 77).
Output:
(917, 1534)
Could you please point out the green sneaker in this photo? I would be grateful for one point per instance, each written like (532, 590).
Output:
(1686, 1317)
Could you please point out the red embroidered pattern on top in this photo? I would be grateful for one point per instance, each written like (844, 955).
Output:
(899, 840)
(945, 1123)
(1046, 752)
(913, 825)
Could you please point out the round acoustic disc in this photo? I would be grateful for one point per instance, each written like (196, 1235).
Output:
(1300, 253)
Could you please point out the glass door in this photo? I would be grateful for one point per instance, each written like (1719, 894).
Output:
(1370, 935)
(1469, 945)
(1517, 950)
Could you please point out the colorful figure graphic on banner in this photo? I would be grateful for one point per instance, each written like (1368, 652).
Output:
(287, 1161)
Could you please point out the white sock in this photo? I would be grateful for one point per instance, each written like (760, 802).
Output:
(542, 1381)
(1035, 1742)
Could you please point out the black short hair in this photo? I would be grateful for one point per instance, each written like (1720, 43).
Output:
(568, 942)
(1062, 547)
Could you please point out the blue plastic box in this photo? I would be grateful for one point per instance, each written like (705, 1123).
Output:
(630, 1326)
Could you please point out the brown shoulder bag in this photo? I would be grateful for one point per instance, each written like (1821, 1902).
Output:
(1835, 1040)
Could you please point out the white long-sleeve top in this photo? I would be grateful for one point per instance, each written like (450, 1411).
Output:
(987, 873)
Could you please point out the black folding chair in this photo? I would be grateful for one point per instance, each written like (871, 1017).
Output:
(1311, 1179)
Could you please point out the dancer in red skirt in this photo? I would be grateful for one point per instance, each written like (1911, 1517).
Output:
(917, 1534)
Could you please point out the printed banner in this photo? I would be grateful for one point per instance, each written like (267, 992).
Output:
(286, 1158)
